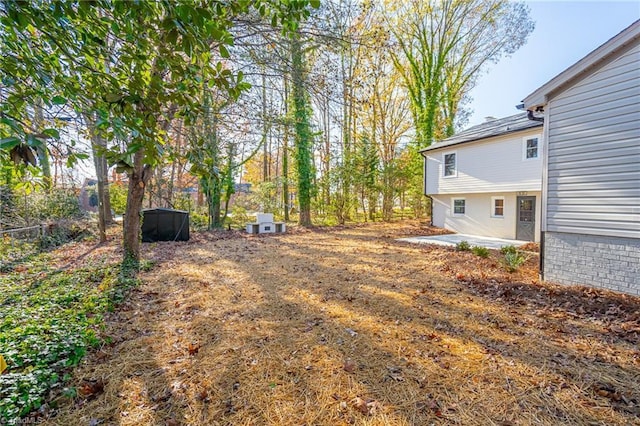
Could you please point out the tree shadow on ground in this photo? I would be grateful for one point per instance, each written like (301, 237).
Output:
(334, 328)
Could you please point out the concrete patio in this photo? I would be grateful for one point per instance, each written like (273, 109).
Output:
(473, 240)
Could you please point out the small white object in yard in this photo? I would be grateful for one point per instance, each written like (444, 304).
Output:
(351, 332)
(264, 224)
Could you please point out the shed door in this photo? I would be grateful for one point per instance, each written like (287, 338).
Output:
(526, 220)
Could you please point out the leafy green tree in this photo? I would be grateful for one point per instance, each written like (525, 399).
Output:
(303, 135)
(60, 53)
(441, 47)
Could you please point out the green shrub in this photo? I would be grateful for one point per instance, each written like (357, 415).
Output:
(198, 221)
(513, 260)
(238, 217)
(480, 251)
(63, 232)
(463, 246)
(118, 197)
(57, 204)
(508, 250)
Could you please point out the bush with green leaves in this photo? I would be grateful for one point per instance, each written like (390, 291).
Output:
(198, 221)
(118, 197)
(58, 204)
(239, 217)
(49, 319)
(463, 246)
(510, 249)
(480, 251)
(513, 260)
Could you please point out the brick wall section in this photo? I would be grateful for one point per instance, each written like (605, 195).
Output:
(606, 262)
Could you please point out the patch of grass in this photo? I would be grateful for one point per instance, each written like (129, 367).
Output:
(48, 320)
(480, 251)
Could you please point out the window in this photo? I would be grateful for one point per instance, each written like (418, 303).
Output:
(530, 148)
(450, 168)
(459, 205)
(497, 206)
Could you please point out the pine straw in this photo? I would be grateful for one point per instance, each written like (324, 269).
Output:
(348, 326)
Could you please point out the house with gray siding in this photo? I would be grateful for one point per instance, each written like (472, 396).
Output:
(591, 167)
(486, 180)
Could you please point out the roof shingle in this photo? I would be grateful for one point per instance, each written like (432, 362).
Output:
(488, 129)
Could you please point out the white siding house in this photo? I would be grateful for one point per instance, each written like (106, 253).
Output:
(591, 176)
(486, 180)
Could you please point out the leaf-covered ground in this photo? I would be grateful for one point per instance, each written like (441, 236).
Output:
(49, 316)
(348, 326)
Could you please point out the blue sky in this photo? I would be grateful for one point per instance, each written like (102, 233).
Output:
(565, 32)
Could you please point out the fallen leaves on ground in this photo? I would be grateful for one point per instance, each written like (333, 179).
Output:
(346, 325)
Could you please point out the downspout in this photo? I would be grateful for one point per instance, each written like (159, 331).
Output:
(424, 187)
(532, 117)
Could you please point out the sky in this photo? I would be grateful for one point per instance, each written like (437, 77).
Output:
(565, 32)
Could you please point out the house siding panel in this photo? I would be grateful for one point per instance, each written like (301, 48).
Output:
(477, 219)
(491, 166)
(594, 153)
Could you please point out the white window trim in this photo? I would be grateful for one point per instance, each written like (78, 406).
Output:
(493, 207)
(453, 206)
(444, 165)
(524, 148)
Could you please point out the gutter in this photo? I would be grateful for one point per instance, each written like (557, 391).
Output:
(530, 115)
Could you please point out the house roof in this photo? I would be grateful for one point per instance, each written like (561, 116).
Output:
(584, 66)
(488, 129)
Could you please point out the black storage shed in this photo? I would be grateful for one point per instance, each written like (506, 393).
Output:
(164, 225)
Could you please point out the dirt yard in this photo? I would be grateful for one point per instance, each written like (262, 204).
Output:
(344, 326)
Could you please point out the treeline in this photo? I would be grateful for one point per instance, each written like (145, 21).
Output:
(322, 108)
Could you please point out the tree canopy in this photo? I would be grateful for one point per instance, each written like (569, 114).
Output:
(184, 97)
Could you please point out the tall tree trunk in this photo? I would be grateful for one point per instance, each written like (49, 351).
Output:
(98, 144)
(41, 151)
(303, 132)
(265, 129)
(174, 166)
(138, 178)
(106, 198)
(285, 153)
(229, 188)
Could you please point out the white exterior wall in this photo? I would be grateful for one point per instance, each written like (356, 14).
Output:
(593, 177)
(478, 219)
(493, 165)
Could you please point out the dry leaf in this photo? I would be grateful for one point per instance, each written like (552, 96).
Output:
(367, 407)
(349, 366)
(89, 389)
(203, 396)
(360, 405)
(395, 373)
(193, 348)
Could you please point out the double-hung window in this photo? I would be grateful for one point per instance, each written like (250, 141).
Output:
(497, 206)
(450, 164)
(531, 148)
(459, 206)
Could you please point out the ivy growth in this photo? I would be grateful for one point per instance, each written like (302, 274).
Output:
(48, 321)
